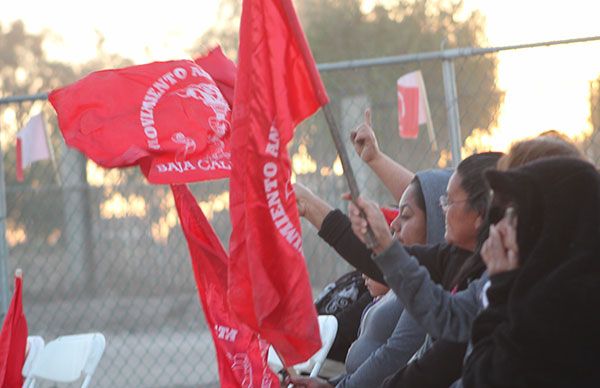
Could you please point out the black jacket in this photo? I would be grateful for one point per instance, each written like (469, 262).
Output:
(542, 326)
(441, 260)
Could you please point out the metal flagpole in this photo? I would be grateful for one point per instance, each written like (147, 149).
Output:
(4, 290)
(348, 171)
(324, 101)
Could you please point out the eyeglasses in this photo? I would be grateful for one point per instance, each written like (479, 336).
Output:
(445, 203)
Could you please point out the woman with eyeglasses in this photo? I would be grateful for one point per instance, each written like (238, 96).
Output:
(446, 316)
(465, 203)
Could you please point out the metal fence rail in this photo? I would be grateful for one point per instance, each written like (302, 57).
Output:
(102, 251)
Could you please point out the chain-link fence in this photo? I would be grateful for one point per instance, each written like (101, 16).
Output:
(101, 250)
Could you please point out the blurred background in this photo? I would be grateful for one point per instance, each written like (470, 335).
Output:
(102, 250)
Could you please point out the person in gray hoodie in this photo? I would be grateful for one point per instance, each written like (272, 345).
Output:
(369, 365)
(379, 351)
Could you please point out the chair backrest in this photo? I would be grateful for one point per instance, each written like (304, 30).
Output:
(328, 326)
(66, 358)
(35, 344)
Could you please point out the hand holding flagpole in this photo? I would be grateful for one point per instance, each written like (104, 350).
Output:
(364, 140)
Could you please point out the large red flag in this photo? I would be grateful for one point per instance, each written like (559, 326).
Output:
(240, 353)
(277, 87)
(170, 118)
(13, 340)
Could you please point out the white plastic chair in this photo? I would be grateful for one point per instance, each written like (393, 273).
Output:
(328, 326)
(66, 358)
(35, 344)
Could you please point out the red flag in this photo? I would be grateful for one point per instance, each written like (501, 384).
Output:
(13, 340)
(277, 87)
(32, 144)
(222, 71)
(413, 109)
(168, 117)
(241, 355)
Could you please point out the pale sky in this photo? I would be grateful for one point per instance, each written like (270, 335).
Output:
(545, 87)
(143, 31)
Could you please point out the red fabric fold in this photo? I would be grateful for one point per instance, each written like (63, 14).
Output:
(270, 289)
(241, 354)
(13, 340)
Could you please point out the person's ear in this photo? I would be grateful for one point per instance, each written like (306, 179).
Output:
(478, 222)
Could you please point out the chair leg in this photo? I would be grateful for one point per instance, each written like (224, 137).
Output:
(316, 369)
(86, 381)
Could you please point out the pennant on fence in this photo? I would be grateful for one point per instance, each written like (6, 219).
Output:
(413, 107)
(32, 144)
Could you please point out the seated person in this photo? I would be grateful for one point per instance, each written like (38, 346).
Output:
(346, 298)
(420, 220)
(540, 328)
(468, 193)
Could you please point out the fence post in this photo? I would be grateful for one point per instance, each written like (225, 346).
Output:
(452, 113)
(4, 290)
(77, 227)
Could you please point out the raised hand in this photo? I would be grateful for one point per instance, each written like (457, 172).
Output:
(364, 140)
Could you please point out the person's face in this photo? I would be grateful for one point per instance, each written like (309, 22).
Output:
(375, 288)
(410, 226)
(462, 222)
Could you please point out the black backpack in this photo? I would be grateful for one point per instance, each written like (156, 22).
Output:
(340, 294)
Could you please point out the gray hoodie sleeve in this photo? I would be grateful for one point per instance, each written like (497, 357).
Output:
(442, 314)
(405, 340)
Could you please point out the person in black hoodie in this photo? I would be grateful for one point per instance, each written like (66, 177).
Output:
(540, 328)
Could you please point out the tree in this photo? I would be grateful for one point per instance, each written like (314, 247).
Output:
(25, 70)
(342, 30)
(64, 220)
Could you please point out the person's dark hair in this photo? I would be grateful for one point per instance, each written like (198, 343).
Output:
(419, 197)
(547, 144)
(471, 172)
(473, 183)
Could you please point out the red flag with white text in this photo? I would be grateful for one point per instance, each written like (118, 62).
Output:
(13, 340)
(277, 87)
(413, 108)
(221, 69)
(170, 118)
(241, 354)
